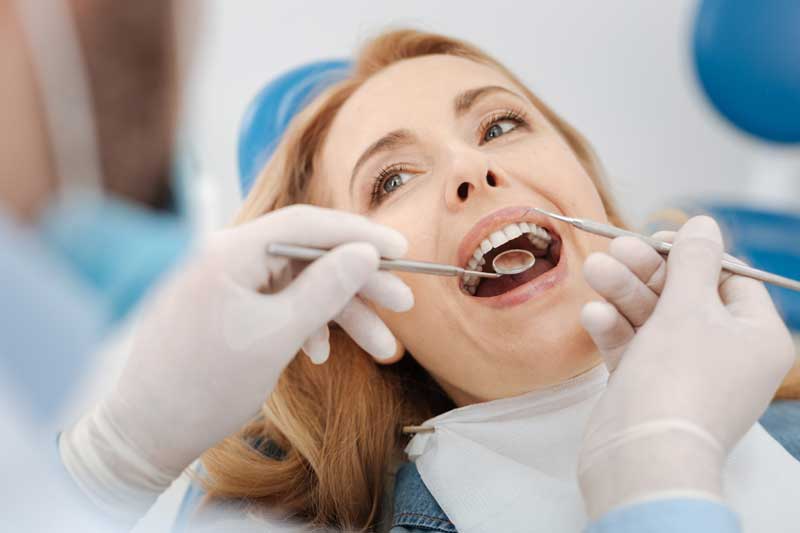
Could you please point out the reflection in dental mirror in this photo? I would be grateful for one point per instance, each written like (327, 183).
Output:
(513, 261)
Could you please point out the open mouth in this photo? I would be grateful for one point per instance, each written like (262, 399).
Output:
(544, 243)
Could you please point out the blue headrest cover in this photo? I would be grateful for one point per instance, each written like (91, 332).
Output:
(274, 107)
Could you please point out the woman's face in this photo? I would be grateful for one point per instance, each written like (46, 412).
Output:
(449, 152)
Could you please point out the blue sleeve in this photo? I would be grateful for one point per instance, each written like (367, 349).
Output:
(669, 516)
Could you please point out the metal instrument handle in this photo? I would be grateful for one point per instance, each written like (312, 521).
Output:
(731, 265)
(307, 253)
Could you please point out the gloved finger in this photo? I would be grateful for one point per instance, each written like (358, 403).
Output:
(608, 329)
(389, 291)
(367, 330)
(641, 259)
(325, 287)
(743, 296)
(320, 227)
(693, 265)
(616, 283)
(664, 235)
(242, 249)
(317, 347)
(669, 236)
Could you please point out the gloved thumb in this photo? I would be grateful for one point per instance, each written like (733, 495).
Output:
(694, 263)
(610, 332)
(325, 287)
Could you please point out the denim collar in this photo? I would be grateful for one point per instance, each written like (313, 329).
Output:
(414, 505)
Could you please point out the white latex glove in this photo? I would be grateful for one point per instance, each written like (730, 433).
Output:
(211, 346)
(695, 358)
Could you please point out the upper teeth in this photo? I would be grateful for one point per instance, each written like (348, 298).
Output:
(539, 237)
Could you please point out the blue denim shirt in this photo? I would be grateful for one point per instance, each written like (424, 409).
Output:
(415, 510)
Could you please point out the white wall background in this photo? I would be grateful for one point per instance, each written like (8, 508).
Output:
(620, 70)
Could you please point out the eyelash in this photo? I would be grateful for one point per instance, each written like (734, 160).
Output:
(517, 116)
(383, 174)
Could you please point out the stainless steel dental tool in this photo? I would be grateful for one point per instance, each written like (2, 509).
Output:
(607, 230)
(305, 253)
(514, 261)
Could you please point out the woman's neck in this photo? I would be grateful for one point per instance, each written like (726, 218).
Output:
(462, 397)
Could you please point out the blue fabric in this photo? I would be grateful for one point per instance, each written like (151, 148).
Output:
(117, 248)
(274, 107)
(43, 356)
(669, 516)
(191, 501)
(414, 505)
(782, 421)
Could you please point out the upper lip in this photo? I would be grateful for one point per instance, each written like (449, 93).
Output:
(497, 220)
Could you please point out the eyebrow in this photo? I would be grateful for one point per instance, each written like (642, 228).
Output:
(391, 141)
(466, 100)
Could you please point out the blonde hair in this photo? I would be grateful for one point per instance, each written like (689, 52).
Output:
(338, 425)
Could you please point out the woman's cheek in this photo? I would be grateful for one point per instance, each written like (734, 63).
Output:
(595, 209)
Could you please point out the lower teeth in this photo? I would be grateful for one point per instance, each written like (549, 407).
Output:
(538, 242)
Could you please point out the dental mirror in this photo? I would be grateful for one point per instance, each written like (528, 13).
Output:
(513, 261)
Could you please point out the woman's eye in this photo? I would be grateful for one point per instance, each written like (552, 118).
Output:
(388, 181)
(395, 181)
(392, 181)
(501, 127)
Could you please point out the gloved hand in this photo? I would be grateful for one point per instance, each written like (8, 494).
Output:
(695, 358)
(213, 341)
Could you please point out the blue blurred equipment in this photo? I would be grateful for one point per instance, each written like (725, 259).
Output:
(65, 282)
(49, 322)
(114, 247)
(747, 55)
(275, 106)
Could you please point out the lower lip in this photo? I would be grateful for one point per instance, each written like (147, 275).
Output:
(529, 290)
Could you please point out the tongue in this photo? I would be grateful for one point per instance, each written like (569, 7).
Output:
(493, 287)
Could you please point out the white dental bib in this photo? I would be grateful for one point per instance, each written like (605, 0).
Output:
(510, 465)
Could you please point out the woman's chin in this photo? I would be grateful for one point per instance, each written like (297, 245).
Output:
(544, 348)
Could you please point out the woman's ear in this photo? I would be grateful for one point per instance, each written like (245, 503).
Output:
(398, 354)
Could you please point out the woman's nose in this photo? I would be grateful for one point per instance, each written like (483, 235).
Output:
(468, 181)
(466, 187)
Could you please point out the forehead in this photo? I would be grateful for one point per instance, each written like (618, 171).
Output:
(411, 94)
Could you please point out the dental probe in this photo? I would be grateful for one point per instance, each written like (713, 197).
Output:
(607, 230)
(305, 253)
